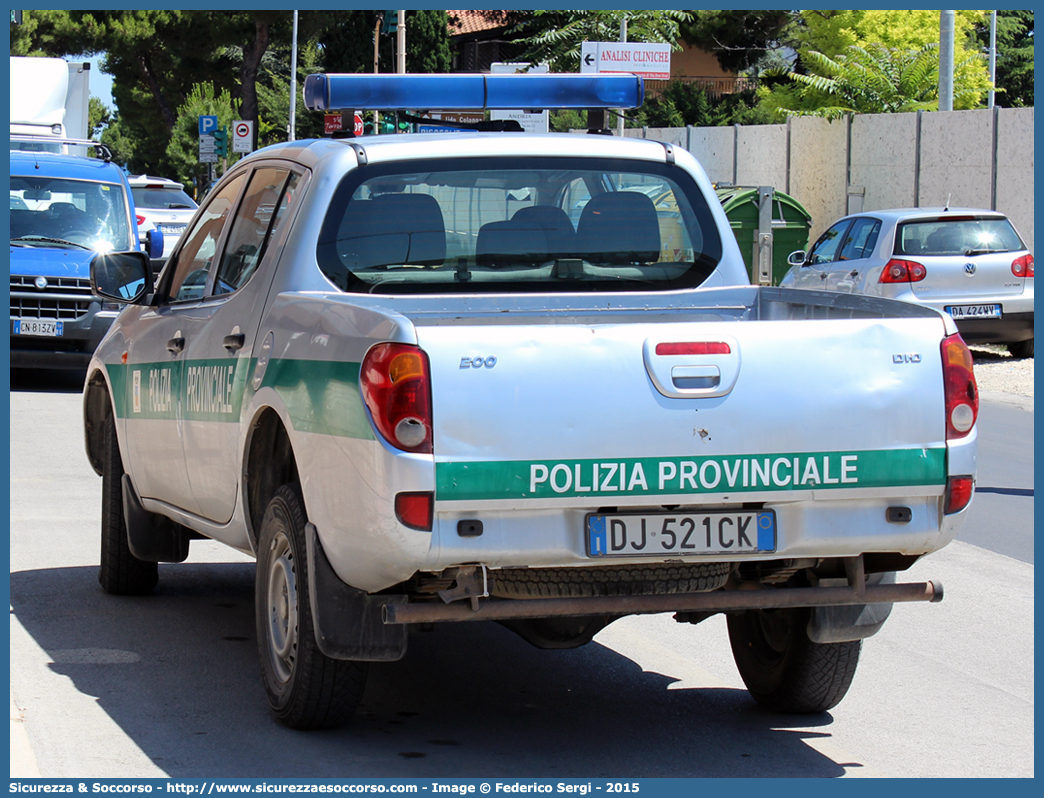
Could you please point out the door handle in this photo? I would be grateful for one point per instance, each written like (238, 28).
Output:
(853, 273)
(234, 342)
(175, 345)
(822, 275)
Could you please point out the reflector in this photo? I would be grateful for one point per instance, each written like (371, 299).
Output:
(467, 91)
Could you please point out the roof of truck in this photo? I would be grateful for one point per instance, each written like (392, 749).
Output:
(49, 164)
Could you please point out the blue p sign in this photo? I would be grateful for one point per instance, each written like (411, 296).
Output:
(207, 125)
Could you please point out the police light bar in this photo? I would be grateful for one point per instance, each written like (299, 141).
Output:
(472, 91)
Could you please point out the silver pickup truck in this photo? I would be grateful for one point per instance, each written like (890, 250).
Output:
(523, 378)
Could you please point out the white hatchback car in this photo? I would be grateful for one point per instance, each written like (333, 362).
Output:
(163, 204)
(966, 262)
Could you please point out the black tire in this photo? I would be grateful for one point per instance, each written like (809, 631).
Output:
(1021, 349)
(305, 688)
(782, 668)
(608, 580)
(121, 573)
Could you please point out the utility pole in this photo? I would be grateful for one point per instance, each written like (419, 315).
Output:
(293, 84)
(376, 52)
(620, 111)
(946, 22)
(993, 58)
(400, 43)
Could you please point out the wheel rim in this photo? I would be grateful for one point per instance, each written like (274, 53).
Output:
(282, 610)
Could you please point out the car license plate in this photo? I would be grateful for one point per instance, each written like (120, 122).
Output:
(37, 327)
(660, 534)
(172, 229)
(974, 311)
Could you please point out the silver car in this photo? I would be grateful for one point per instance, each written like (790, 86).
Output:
(161, 204)
(966, 262)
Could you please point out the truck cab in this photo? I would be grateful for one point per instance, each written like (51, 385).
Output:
(64, 210)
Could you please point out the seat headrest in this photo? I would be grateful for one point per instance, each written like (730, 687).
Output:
(619, 227)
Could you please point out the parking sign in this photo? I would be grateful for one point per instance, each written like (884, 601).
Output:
(207, 125)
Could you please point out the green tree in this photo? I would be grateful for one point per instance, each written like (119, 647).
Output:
(347, 43)
(870, 80)
(739, 39)
(183, 148)
(99, 116)
(555, 37)
(1014, 56)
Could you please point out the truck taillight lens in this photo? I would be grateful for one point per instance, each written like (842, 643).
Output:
(959, 492)
(962, 393)
(395, 383)
(1022, 267)
(415, 510)
(902, 271)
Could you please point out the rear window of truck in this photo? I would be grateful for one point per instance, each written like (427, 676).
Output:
(518, 225)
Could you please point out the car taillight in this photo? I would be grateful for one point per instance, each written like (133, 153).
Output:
(395, 384)
(962, 393)
(415, 510)
(141, 220)
(1022, 267)
(959, 492)
(902, 271)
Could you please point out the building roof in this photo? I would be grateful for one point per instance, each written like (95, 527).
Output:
(470, 21)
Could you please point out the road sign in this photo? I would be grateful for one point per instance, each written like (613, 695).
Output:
(650, 61)
(207, 125)
(357, 125)
(207, 143)
(242, 136)
(531, 123)
(432, 125)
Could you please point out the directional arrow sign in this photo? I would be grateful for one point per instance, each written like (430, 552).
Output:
(651, 61)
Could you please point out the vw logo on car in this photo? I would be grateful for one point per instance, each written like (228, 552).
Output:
(969, 269)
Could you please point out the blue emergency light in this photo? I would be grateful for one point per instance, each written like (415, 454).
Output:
(471, 91)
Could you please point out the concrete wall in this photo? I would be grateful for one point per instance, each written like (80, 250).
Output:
(977, 159)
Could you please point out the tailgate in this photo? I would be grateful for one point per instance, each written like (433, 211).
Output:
(593, 415)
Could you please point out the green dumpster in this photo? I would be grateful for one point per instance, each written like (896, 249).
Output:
(790, 225)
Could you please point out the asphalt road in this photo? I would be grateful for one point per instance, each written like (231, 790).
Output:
(169, 685)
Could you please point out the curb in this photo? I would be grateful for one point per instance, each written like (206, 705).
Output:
(23, 761)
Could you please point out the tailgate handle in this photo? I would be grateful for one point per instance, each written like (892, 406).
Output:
(695, 378)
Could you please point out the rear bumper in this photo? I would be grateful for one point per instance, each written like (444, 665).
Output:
(1010, 328)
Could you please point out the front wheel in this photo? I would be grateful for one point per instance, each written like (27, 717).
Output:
(306, 689)
(782, 668)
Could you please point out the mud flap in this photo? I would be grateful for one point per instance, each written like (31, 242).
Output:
(347, 621)
(854, 622)
(152, 537)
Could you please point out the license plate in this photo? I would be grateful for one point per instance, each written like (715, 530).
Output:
(974, 311)
(172, 229)
(661, 534)
(37, 327)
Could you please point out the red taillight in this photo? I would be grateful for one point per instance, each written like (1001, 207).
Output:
(395, 384)
(141, 220)
(415, 510)
(962, 393)
(1022, 267)
(959, 492)
(694, 348)
(902, 271)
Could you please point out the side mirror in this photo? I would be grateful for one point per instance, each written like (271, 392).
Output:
(124, 277)
(154, 243)
(796, 258)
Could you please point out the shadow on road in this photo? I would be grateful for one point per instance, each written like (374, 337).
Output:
(178, 672)
(48, 380)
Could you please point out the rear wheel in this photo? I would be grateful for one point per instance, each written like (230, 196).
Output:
(305, 688)
(782, 668)
(121, 573)
(1021, 348)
